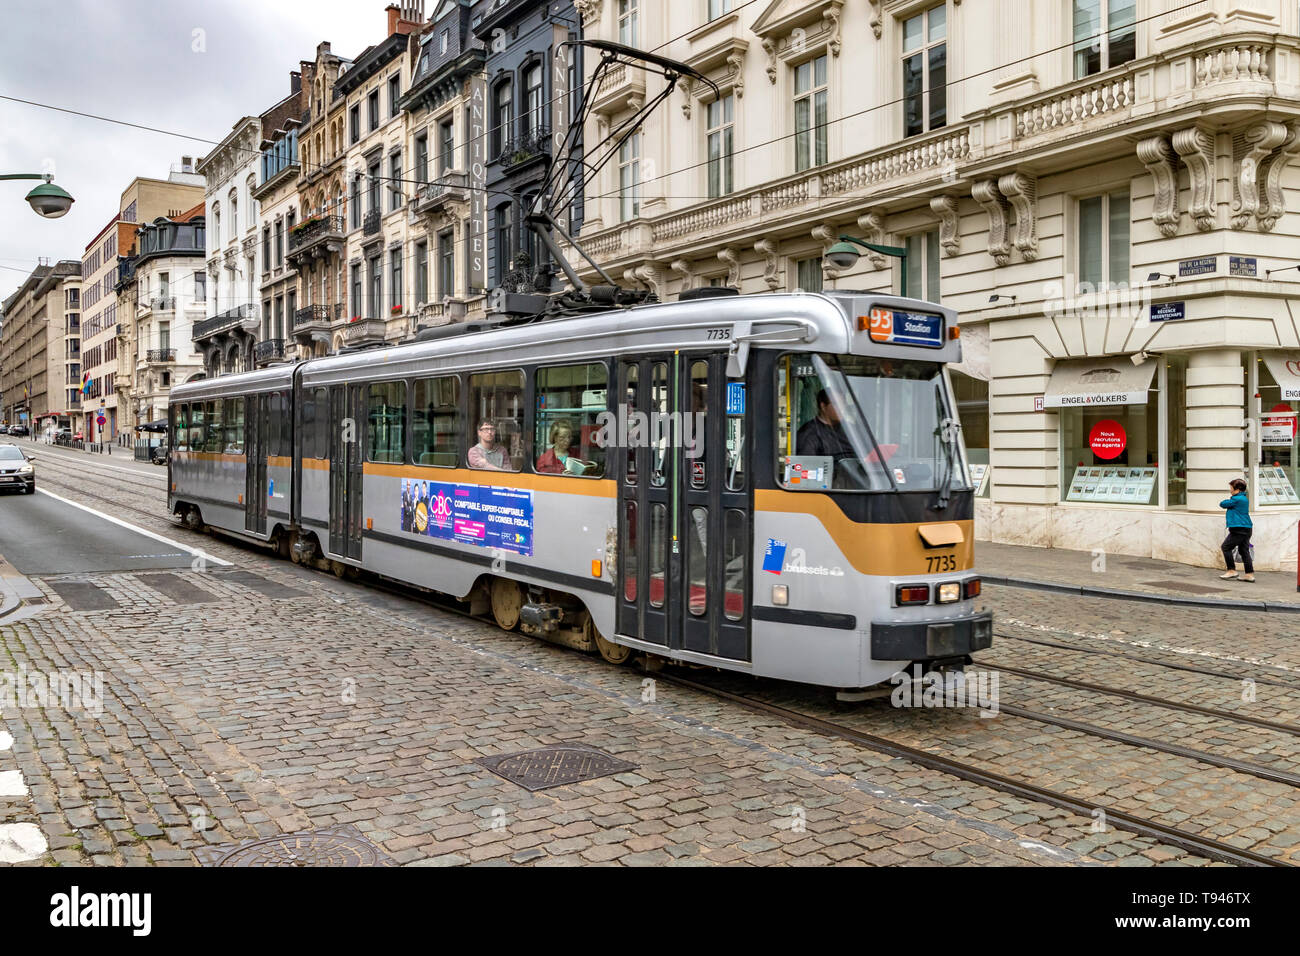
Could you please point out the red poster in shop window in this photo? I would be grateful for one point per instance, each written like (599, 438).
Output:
(1281, 422)
(1107, 439)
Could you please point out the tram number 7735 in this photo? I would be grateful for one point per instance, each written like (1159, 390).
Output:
(718, 334)
(937, 563)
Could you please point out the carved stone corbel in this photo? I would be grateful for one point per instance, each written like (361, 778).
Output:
(683, 269)
(1196, 147)
(589, 10)
(650, 274)
(1022, 190)
(875, 17)
(873, 224)
(737, 62)
(945, 207)
(769, 47)
(731, 257)
(832, 17)
(1272, 202)
(827, 235)
(1162, 163)
(771, 264)
(1258, 141)
(687, 86)
(985, 192)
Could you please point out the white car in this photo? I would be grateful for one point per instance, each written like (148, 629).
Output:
(16, 470)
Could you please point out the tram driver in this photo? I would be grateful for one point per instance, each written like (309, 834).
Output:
(824, 434)
(487, 455)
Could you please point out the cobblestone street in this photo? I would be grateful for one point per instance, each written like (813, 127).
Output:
(246, 701)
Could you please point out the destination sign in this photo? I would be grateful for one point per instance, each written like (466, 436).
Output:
(896, 327)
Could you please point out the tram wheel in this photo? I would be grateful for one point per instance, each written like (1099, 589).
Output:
(614, 653)
(339, 569)
(507, 599)
(283, 544)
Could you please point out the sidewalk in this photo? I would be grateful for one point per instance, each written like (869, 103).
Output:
(1137, 579)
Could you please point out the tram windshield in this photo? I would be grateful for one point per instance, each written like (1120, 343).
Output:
(866, 423)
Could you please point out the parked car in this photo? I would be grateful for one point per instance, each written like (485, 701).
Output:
(16, 470)
(4, 429)
(20, 430)
(63, 436)
(160, 454)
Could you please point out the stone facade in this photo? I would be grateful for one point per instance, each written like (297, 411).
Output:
(33, 353)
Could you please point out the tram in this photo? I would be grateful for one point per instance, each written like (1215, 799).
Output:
(773, 484)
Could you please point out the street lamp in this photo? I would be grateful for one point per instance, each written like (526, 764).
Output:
(844, 256)
(47, 199)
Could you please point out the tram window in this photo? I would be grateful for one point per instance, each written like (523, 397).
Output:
(697, 565)
(862, 423)
(695, 429)
(570, 400)
(496, 411)
(735, 550)
(630, 404)
(215, 440)
(735, 436)
(321, 444)
(275, 411)
(435, 422)
(197, 429)
(232, 417)
(630, 553)
(181, 427)
(659, 437)
(387, 422)
(307, 423)
(286, 424)
(658, 552)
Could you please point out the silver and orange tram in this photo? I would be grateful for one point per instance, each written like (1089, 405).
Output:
(774, 484)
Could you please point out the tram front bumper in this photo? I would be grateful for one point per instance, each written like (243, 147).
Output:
(928, 640)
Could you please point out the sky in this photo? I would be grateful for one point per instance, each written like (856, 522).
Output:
(177, 65)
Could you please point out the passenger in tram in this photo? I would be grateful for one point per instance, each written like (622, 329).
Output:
(824, 434)
(487, 455)
(553, 461)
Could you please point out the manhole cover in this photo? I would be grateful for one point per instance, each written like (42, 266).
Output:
(334, 846)
(1180, 586)
(554, 766)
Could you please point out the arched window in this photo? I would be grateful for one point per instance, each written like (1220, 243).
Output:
(234, 214)
(534, 109)
(502, 116)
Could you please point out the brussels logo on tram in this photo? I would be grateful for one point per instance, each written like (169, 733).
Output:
(896, 327)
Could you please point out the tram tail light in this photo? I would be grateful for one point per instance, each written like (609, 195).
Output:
(913, 594)
(971, 588)
(949, 592)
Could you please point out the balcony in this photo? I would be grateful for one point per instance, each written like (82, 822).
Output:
(315, 238)
(370, 225)
(433, 198)
(160, 355)
(526, 148)
(618, 87)
(312, 324)
(161, 303)
(244, 317)
(363, 332)
(268, 351)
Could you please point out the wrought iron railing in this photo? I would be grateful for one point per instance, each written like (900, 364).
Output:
(160, 355)
(317, 313)
(526, 147)
(268, 350)
(370, 224)
(225, 321)
(314, 229)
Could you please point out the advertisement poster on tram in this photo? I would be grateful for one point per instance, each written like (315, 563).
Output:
(481, 515)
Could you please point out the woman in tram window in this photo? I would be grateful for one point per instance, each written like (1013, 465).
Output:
(555, 458)
(487, 455)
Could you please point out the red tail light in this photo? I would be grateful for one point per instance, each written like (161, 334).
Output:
(913, 594)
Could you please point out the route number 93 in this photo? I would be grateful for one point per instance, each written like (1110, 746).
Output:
(938, 563)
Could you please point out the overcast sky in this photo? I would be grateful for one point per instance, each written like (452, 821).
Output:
(140, 61)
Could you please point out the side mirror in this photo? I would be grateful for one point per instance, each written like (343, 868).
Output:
(31, 457)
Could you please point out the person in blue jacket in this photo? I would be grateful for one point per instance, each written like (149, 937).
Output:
(1239, 530)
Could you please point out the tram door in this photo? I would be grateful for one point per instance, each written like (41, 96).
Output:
(685, 506)
(257, 433)
(347, 421)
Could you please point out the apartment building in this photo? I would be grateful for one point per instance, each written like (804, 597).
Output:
(1100, 187)
(225, 337)
(33, 350)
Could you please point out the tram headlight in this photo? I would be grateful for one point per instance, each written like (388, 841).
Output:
(949, 592)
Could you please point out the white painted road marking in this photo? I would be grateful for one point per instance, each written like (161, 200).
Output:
(11, 784)
(6, 740)
(20, 842)
(138, 530)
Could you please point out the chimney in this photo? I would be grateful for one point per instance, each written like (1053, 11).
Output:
(295, 82)
(406, 19)
(322, 48)
(392, 12)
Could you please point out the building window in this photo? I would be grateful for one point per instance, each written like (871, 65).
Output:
(925, 71)
(358, 307)
(627, 17)
(923, 265)
(502, 117)
(376, 286)
(279, 243)
(629, 178)
(395, 181)
(374, 187)
(422, 158)
(718, 7)
(443, 38)
(354, 123)
(446, 146)
(1095, 50)
(356, 203)
(394, 94)
(200, 287)
(501, 241)
(421, 273)
(446, 263)
(810, 114)
(720, 131)
(395, 276)
(808, 273)
(372, 104)
(534, 107)
(1103, 242)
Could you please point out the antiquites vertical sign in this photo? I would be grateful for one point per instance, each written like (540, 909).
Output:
(477, 156)
(560, 55)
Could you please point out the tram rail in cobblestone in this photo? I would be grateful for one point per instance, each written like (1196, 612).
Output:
(1172, 836)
